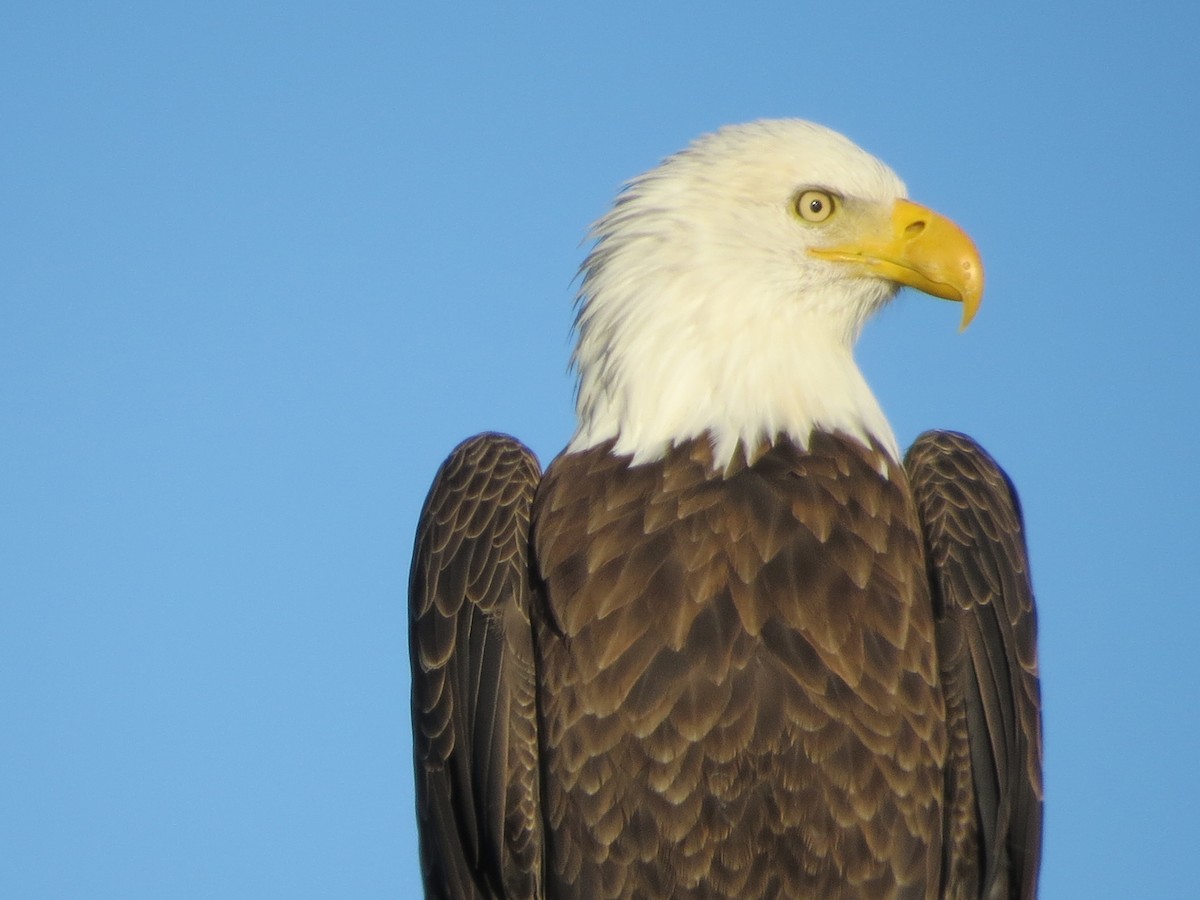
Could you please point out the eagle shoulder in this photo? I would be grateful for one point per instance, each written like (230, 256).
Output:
(473, 688)
(987, 646)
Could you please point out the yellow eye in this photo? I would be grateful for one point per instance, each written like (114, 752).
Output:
(815, 206)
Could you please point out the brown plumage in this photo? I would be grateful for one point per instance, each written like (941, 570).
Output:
(745, 685)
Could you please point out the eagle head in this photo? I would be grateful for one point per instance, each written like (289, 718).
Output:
(727, 286)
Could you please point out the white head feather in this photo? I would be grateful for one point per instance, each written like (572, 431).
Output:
(701, 309)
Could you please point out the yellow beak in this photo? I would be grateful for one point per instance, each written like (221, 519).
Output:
(921, 249)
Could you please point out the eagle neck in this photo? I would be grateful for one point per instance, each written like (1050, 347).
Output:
(741, 374)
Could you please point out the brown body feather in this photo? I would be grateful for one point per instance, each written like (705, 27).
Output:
(740, 689)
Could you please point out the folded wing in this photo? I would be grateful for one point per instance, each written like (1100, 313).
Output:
(987, 646)
(473, 689)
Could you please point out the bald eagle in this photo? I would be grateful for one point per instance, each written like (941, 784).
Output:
(730, 643)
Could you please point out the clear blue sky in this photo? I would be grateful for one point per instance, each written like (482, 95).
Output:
(263, 265)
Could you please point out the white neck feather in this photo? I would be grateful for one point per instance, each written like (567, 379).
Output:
(733, 372)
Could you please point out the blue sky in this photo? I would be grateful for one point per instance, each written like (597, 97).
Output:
(263, 265)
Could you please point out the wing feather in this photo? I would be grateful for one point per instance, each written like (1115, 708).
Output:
(473, 669)
(987, 644)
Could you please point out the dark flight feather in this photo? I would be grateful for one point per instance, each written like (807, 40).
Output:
(987, 636)
(474, 678)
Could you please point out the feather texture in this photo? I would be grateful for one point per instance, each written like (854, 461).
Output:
(752, 681)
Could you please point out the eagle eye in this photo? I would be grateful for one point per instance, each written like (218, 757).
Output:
(815, 206)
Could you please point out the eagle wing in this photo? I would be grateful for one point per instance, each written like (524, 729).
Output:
(987, 646)
(473, 689)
